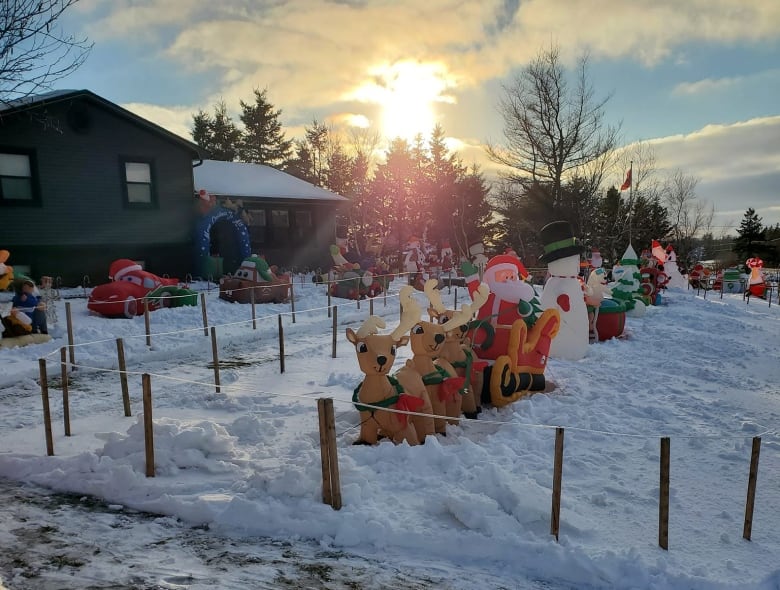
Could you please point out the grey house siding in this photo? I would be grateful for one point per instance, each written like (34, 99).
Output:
(83, 221)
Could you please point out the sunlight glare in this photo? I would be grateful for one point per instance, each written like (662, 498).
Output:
(407, 91)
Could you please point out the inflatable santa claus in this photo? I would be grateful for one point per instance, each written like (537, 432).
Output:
(511, 329)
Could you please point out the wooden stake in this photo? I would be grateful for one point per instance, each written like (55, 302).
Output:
(65, 400)
(46, 411)
(205, 317)
(555, 517)
(328, 284)
(371, 306)
(254, 316)
(747, 530)
(70, 334)
(147, 324)
(384, 291)
(146, 382)
(327, 493)
(292, 300)
(331, 485)
(215, 357)
(120, 353)
(455, 304)
(663, 505)
(281, 344)
(335, 483)
(335, 329)
(358, 299)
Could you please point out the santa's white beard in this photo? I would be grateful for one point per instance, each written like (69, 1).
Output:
(512, 291)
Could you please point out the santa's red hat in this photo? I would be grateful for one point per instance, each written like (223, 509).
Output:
(503, 262)
(121, 267)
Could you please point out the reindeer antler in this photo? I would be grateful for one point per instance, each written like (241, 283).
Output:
(371, 326)
(411, 312)
(434, 295)
(464, 314)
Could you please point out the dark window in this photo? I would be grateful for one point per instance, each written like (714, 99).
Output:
(280, 218)
(18, 178)
(302, 223)
(257, 227)
(138, 182)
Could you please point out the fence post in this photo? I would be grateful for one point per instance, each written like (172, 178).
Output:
(69, 322)
(292, 299)
(147, 324)
(371, 306)
(455, 304)
(328, 283)
(281, 344)
(663, 505)
(46, 411)
(120, 353)
(335, 328)
(215, 357)
(205, 317)
(65, 400)
(555, 517)
(747, 530)
(146, 382)
(331, 485)
(254, 316)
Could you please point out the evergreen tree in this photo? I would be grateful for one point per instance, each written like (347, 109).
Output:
(218, 135)
(751, 241)
(263, 141)
(301, 165)
(202, 124)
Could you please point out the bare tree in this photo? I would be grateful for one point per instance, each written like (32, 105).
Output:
(34, 51)
(689, 216)
(552, 128)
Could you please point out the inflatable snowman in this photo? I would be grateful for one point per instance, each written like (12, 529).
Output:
(626, 287)
(563, 291)
(676, 280)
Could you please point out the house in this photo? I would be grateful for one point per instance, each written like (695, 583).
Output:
(291, 222)
(84, 182)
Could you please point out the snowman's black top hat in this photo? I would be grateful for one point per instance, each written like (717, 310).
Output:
(559, 241)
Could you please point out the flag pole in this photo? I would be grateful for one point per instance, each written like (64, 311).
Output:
(630, 198)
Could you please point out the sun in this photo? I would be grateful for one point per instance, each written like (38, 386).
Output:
(407, 91)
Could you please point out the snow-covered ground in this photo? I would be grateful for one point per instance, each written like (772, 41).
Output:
(469, 510)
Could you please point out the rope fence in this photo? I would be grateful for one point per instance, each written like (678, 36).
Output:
(327, 420)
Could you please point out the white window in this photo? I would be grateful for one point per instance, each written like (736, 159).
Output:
(16, 181)
(139, 188)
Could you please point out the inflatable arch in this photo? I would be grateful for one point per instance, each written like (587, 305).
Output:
(239, 232)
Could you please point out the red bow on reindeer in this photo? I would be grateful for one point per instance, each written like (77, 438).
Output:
(408, 403)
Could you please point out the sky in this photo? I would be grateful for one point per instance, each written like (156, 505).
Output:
(697, 80)
(469, 510)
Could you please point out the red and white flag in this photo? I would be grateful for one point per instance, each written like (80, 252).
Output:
(627, 183)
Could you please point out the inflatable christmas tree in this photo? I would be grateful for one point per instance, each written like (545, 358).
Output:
(627, 286)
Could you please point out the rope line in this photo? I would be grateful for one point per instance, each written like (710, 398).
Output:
(424, 415)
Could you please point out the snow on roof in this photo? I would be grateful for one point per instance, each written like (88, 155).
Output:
(240, 179)
(7, 105)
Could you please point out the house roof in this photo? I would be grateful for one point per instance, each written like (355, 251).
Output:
(246, 180)
(58, 96)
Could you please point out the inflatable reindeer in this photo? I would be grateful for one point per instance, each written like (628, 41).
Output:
(412, 384)
(441, 379)
(457, 347)
(376, 354)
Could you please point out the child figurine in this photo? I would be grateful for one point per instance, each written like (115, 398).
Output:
(48, 296)
(25, 301)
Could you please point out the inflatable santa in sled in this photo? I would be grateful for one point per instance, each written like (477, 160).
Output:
(511, 331)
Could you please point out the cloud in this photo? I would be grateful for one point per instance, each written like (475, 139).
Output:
(311, 53)
(711, 85)
(176, 119)
(738, 165)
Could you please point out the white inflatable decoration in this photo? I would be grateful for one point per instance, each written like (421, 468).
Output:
(627, 281)
(676, 280)
(563, 291)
